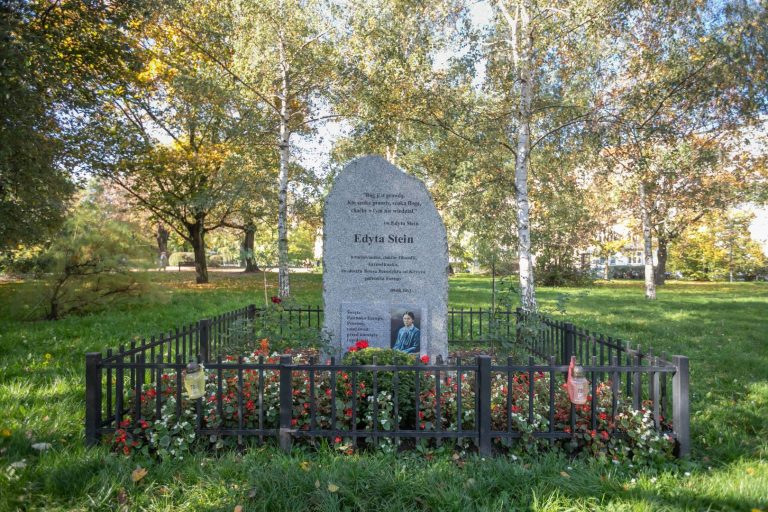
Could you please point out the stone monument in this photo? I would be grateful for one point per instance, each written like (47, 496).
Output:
(385, 261)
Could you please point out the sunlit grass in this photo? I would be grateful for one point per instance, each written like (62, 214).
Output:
(721, 327)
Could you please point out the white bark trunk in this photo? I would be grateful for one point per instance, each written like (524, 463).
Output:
(284, 288)
(527, 289)
(650, 284)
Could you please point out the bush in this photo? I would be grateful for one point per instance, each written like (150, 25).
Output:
(181, 257)
(564, 276)
(276, 325)
(90, 265)
(384, 380)
(216, 261)
(33, 260)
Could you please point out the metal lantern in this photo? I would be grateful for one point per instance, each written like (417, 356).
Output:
(577, 385)
(194, 382)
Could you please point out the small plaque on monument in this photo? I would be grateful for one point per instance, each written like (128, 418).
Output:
(385, 261)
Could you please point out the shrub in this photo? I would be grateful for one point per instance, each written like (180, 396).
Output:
(89, 265)
(564, 276)
(181, 257)
(385, 380)
(216, 260)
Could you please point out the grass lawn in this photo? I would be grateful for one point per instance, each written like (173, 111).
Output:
(722, 328)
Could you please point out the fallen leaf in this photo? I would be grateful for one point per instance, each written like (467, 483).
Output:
(252, 493)
(122, 497)
(305, 465)
(7, 432)
(41, 446)
(333, 487)
(317, 484)
(564, 474)
(138, 474)
(456, 456)
(239, 508)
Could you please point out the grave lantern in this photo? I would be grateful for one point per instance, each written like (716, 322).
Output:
(577, 385)
(194, 382)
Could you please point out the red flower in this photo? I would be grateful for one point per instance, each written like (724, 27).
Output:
(425, 359)
(605, 435)
(294, 421)
(276, 300)
(361, 344)
(337, 440)
(143, 423)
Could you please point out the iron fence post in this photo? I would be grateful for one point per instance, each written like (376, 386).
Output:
(484, 403)
(568, 343)
(92, 397)
(681, 407)
(286, 402)
(204, 327)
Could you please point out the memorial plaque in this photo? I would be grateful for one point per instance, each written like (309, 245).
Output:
(385, 254)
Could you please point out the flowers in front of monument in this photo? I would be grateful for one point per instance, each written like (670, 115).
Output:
(359, 345)
(346, 399)
(276, 300)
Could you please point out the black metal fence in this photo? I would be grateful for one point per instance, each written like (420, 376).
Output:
(469, 398)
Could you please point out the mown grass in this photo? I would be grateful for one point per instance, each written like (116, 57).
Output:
(721, 327)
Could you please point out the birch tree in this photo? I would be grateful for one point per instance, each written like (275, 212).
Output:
(674, 81)
(284, 63)
(541, 56)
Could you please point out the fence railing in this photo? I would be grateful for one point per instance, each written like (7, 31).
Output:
(115, 379)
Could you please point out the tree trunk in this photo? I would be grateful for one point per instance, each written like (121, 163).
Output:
(248, 241)
(162, 239)
(283, 284)
(197, 239)
(527, 289)
(650, 285)
(661, 267)
(607, 270)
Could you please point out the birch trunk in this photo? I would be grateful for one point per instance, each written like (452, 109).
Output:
(650, 285)
(661, 260)
(284, 288)
(522, 161)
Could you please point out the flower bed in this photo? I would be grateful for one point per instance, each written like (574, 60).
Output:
(405, 405)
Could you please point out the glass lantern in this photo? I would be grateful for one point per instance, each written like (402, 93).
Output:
(194, 382)
(578, 385)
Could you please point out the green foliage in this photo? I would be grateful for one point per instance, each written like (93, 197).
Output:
(181, 257)
(722, 246)
(56, 58)
(405, 382)
(556, 275)
(90, 265)
(274, 323)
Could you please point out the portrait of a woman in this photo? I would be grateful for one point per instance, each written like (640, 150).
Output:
(409, 336)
